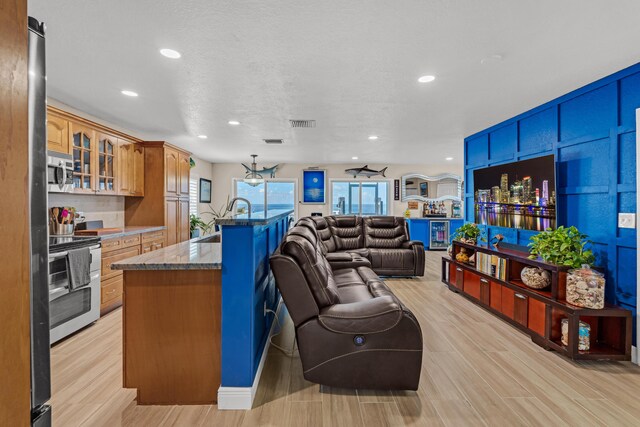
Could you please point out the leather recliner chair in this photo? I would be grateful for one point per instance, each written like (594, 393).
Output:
(352, 331)
(382, 240)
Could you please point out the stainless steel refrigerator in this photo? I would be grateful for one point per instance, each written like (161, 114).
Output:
(40, 347)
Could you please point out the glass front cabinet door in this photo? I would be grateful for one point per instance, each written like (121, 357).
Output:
(107, 164)
(84, 151)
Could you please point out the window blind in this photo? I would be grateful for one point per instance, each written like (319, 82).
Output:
(193, 196)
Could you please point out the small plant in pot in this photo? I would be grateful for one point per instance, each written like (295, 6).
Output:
(468, 233)
(567, 247)
(196, 224)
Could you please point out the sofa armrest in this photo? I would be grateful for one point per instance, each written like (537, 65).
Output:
(408, 244)
(363, 317)
(338, 260)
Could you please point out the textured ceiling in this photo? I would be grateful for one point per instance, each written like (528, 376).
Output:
(350, 65)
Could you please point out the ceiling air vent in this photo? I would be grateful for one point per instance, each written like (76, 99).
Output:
(302, 123)
(273, 141)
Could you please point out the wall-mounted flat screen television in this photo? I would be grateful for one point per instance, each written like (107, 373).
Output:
(517, 195)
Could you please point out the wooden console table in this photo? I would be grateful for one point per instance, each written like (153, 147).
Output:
(539, 313)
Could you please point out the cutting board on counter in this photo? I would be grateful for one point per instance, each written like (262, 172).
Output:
(98, 231)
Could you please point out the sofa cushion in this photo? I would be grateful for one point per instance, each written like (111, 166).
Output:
(301, 244)
(374, 315)
(346, 231)
(384, 232)
(347, 276)
(391, 259)
(354, 293)
(324, 233)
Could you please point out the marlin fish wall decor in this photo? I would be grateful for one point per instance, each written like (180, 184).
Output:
(365, 171)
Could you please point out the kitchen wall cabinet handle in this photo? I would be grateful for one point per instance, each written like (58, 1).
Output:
(111, 291)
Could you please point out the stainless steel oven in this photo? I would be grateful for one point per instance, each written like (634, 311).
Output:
(72, 309)
(59, 172)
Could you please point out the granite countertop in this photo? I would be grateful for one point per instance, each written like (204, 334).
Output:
(133, 229)
(261, 218)
(188, 255)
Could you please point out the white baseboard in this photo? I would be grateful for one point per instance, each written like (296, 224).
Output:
(239, 398)
(634, 355)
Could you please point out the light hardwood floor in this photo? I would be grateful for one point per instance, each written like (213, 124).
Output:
(477, 370)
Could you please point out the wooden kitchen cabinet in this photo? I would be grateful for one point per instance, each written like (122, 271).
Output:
(107, 164)
(172, 214)
(137, 170)
(168, 204)
(84, 148)
(177, 214)
(125, 150)
(172, 172)
(131, 166)
(58, 134)
(184, 168)
(116, 249)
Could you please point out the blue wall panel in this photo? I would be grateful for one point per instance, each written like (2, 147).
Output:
(503, 143)
(629, 99)
(539, 131)
(590, 114)
(477, 153)
(592, 133)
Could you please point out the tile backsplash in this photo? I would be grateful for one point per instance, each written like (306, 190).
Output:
(109, 209)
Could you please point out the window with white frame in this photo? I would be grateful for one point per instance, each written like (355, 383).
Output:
(193, 194)
(270, 194)
(360, 197)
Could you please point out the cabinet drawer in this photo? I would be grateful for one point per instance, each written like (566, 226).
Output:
(537, 316)
(128, 241)
(496, 296)
(507, 299)
(111, 289)
(472, 284)
(152, 235)
(113, 244)
(153, 245)
(520, 308)
(115, 256)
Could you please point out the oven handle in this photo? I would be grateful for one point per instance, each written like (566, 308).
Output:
(59, 255)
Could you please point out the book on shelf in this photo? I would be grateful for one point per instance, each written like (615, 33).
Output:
(491, 265)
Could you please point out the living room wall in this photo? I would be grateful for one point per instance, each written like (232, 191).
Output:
(592, 133)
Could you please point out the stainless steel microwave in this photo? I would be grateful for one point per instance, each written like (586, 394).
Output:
(59, 172)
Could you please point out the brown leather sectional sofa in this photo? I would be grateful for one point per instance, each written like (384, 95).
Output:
(352, 331)
(382, 240)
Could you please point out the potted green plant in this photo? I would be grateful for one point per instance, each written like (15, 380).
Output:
(568, 247)
(196, 224)
(216, 214)
(468, 233)
(564, 246)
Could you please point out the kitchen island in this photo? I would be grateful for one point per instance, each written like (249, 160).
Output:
(195, 326)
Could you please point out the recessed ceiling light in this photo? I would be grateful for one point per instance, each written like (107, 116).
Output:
(202, 136)
(373, 137)
(170, 53)
(449, 158)
(354, 158)
(129, 93)
(234, 122)
(426, 79)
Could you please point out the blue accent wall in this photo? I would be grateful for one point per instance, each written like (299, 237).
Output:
(592, 133)
(247, 284)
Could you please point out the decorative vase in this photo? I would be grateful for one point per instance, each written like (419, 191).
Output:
(585, 287)
(450, 251)
(535, 278)
(468, 241)
(462, 256)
